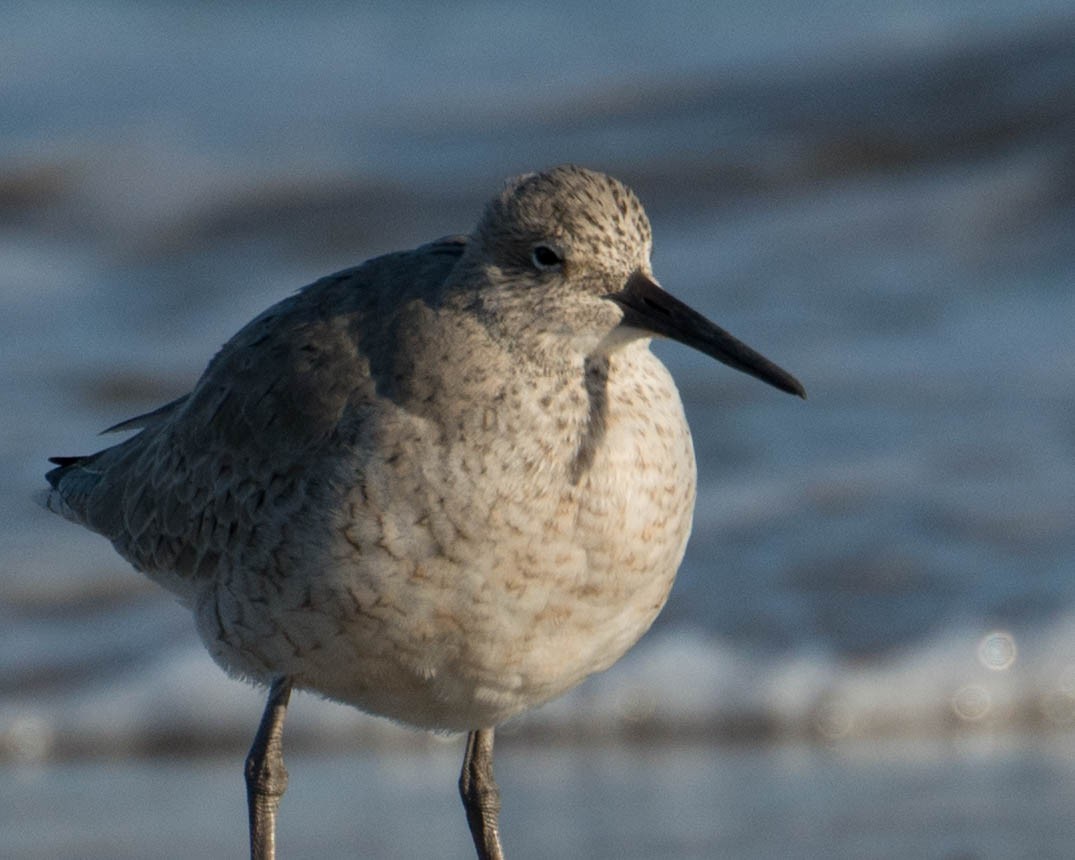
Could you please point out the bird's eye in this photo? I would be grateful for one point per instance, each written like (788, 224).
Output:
(544, 257)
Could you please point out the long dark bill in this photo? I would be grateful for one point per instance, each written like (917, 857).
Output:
(648, 307)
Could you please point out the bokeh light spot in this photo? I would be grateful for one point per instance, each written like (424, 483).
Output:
(972, 702)
(997, 651)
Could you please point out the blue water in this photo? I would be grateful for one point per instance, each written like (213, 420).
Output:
(879, 195)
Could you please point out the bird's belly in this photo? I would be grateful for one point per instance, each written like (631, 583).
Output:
(448, 608)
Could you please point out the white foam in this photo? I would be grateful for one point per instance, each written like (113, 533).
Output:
(678, 682)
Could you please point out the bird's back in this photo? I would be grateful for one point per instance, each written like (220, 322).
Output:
(223, 464)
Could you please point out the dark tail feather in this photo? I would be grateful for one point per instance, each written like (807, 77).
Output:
(63, 466)
(72, 481)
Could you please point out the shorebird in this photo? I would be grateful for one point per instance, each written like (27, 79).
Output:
(444, 486)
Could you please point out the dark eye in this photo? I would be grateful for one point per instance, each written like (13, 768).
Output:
(544, 257)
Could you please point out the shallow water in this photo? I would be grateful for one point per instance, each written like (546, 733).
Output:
(882, 200)
(982, 798)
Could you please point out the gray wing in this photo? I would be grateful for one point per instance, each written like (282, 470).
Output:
(146, 419)
(254, 440)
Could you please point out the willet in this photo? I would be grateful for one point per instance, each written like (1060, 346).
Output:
(444, 486)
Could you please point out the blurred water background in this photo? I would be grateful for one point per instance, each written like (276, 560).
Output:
(870, 650)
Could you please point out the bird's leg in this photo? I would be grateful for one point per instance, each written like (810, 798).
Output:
(266, 776)
(481, 797)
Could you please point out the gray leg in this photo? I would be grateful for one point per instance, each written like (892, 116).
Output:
(266, 776)
(481, 798)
